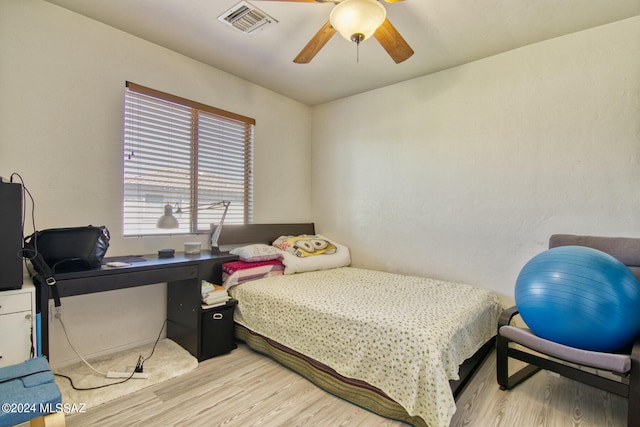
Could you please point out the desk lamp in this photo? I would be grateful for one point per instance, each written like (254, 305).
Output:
(168, 220)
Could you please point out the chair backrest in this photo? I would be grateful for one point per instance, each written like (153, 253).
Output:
(625, 249)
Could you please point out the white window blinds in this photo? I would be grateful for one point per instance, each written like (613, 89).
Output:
(186, 155)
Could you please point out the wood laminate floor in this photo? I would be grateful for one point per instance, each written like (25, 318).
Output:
(244, 388)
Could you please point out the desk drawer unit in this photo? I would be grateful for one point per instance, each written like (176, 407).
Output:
(17, 325)
(14, 302)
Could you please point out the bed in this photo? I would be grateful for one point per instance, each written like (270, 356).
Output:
(400, 346)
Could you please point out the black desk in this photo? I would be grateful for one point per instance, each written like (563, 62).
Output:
(183, 275)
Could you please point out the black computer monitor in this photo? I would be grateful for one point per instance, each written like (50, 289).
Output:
(10, 236)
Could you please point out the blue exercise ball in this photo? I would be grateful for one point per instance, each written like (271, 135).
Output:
(580, 297)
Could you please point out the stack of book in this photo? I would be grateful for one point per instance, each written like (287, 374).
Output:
(213, 295)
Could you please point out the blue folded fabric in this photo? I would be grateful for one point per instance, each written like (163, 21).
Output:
(27, 390)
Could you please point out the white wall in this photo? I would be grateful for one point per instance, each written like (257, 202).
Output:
(464, 174)
(62, 80)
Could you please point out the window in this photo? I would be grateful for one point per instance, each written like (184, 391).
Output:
(185, 155)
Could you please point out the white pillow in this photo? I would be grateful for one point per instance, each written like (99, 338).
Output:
(294, 264)
(256, 253)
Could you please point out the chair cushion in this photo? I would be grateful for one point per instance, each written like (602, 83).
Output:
(620, 363)
(625, 249)
(30, 386)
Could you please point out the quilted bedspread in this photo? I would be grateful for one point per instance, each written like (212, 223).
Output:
(405, 335)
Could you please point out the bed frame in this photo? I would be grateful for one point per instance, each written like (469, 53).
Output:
(349, 389)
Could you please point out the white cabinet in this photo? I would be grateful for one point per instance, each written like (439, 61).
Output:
(17, 325)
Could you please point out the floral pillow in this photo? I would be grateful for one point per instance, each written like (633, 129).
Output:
(256, 253)
(336, 257)
(305, 245)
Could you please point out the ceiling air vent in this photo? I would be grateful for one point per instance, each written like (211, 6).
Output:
(246, 18)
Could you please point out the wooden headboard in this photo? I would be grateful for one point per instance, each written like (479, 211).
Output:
(235, 234)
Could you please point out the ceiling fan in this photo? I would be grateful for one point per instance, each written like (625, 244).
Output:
(356, 20)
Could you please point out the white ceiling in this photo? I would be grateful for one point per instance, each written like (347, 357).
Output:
(443, 34)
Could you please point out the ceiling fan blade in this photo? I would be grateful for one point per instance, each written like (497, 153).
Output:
(315, 44)
(392, 42)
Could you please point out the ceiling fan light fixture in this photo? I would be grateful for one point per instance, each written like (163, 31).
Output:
(357, 20)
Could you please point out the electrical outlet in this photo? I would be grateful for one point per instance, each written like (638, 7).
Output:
(54, 311)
